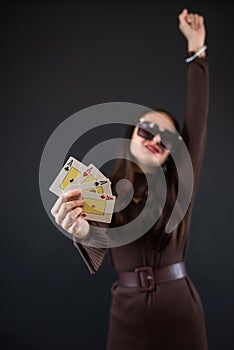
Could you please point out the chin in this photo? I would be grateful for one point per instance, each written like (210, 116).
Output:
(148, 163)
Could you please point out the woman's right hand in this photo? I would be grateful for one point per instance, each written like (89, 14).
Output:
(67, 210)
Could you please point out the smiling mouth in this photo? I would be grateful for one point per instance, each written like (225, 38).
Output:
(154, 149)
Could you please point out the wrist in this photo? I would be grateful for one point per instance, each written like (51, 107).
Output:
(195, 45)
(202, 54)
(192, 55)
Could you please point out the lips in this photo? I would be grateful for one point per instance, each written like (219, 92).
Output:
(154, 149)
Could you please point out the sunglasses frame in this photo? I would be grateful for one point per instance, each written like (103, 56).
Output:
(152, 129)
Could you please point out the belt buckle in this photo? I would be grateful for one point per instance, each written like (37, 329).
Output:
(148, 273)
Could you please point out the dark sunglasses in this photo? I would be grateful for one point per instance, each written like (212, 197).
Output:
(148, 130)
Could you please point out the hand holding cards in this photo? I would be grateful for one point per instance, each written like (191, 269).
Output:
(94, 186)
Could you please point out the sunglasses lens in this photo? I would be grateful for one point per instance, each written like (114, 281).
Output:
(144, 133)
(167, 140)
(166, 144)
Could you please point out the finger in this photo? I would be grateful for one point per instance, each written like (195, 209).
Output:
(189, 18)
(75, 194)
(64, 198)
(80, 228)
(200, 22)
(182, 16)
(56, 206)
(183, 13)
(71, 218)
(67, 207)
(196, 21)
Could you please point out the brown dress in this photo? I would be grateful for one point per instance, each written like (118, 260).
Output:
(171, 316)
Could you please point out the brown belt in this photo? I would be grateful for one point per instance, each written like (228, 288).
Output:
(146, 277)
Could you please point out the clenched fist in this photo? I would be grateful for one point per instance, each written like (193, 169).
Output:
(192, 27)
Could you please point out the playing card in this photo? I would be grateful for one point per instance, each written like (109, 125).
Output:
(91, 173)
(70, 172)
(98, 207)
(97, 186)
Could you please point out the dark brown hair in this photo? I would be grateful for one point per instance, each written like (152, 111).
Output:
(157, 237)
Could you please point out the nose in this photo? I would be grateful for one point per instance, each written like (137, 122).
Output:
(157, 138)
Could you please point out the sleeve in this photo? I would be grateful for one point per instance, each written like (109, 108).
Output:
(195, 125)
(94, 248)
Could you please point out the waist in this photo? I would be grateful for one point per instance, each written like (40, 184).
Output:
(146, 278)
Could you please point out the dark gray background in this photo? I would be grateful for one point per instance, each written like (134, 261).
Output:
(56, 59)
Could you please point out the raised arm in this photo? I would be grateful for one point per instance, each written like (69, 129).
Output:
(195, 125)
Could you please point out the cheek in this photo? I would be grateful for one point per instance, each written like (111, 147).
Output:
(135, 149)
(136, 143)
(136, 138)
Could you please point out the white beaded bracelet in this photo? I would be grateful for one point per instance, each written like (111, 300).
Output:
(191, 58)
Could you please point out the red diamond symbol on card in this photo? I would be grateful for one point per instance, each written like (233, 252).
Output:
(84, 215)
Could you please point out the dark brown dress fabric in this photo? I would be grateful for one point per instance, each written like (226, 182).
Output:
(171, 316)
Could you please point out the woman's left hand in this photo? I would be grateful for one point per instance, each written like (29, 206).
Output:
(192, 27)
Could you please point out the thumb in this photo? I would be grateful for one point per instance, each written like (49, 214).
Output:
(182, 16)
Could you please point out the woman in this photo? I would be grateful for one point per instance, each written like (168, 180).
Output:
(155, 305)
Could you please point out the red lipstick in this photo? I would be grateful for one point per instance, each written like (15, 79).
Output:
(153, 148)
